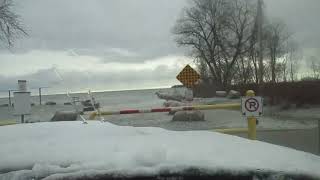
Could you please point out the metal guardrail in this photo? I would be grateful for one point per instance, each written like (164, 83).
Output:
(7, 122)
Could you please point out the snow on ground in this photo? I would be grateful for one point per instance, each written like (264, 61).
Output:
(214, 119)
(289, 119)
(55, 149)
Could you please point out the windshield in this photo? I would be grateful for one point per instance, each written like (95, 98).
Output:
(159, 88)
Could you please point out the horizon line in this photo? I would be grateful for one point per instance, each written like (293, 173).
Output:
(97, 91)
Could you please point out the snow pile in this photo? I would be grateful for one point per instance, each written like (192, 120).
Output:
(55, 149)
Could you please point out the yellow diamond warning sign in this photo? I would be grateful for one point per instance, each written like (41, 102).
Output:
(188, 76)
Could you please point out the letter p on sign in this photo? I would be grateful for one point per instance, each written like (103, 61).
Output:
(252, 106)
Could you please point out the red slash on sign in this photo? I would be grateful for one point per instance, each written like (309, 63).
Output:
(251, 104)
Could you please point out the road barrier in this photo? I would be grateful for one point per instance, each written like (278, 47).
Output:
(235, 106)
(157, 110)
(7, 122)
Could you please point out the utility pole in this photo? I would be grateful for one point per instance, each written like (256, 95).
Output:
(9, 98)
(40, 94)
(10, 101)
(40, 102)
(259, 37)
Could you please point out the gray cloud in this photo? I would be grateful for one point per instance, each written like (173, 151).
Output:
(112, 55)
(76, 80)
(123, 31)
(141, 26)
(41, 78)
(301, 16)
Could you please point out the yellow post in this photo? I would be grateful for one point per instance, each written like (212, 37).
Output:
(252, 121)
(93, 116)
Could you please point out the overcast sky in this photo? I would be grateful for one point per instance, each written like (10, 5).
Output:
(118, 44)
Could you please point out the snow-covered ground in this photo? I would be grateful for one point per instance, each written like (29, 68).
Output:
(214, 119)
(53, 150)
(289, 119)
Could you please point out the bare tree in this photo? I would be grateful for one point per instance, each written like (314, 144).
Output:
(281, 71)
(203, 69)
(277, 35)
(314, 64)
(259, 24)
(219, 33)
(10, 24)
(285, 66)
(258, 49)
(225, 35)
(198, 28)
(293, 56)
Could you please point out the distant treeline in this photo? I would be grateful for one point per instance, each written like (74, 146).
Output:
(299, 93)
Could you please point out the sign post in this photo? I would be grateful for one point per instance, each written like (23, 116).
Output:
(319, 136)
(10, 98)
(251, 107)
(40, 100)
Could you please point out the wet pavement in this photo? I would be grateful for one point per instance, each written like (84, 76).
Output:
(303, 139)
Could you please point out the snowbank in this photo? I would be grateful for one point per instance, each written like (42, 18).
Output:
(54, 149)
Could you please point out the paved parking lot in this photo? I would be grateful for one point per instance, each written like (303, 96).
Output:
(303, 139)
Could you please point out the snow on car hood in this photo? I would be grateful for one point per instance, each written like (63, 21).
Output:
(46, 149)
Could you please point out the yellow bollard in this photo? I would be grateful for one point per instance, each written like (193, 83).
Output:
(93, 116)
(252, 121)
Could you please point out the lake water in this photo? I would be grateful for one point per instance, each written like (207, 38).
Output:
(109, 101)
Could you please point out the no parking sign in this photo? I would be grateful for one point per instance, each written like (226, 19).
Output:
(252, 106)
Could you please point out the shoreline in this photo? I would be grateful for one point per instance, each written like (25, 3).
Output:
(95, 91)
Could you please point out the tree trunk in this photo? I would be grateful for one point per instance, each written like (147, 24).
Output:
(291, 72)
(273, 71)
(273, 64)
